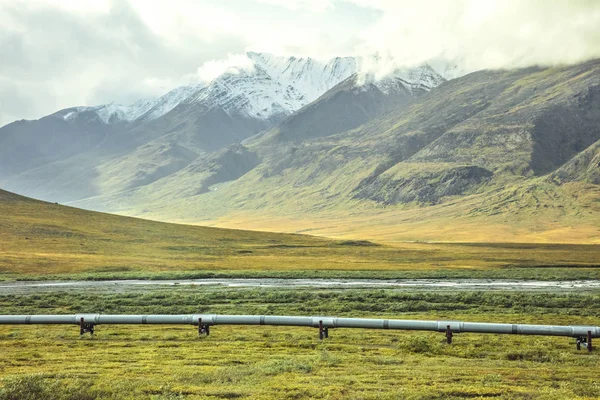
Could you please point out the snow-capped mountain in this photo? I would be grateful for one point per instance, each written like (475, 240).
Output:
(113, 146)
(272, 88)
(416, 79)
(308, 76)
(145, 109)
(252, 93)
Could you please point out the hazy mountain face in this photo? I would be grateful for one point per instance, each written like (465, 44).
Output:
(83, 152)
(507, 146)
(319, 136)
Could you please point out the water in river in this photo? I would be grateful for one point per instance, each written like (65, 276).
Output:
(422, 284)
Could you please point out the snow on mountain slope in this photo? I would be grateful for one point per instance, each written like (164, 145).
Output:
(169, 101)
(422, 77)
(271, 88)
(310, 77)
(145, 109)
(281, 85)
(251, 92)
(112, 112)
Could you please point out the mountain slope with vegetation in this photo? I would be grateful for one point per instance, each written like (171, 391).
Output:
(85, 152)
(500, 155)
(483, 148)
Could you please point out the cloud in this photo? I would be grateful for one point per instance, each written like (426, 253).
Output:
(56, 57)
(233, 63)
(61, 53)
(304, 5)
(484, 34)
(14, 103)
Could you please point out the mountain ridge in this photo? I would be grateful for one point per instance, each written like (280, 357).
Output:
(111, 148)
(502, 149)
(468, 147)
(297, 81)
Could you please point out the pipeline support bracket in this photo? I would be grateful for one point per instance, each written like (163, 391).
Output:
(85, 327)
(203, 329)
(585, 341)
(323, 331)
(449, 334)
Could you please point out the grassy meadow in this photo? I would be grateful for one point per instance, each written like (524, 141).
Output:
(172, 362)
(47, 241)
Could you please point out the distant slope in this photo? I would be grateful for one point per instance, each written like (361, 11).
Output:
(43, 239)
(348, 105)
(479, 148)
(585, 167)
(202, 175)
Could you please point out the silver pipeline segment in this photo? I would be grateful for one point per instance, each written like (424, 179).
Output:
(583, 334)
(315, 322)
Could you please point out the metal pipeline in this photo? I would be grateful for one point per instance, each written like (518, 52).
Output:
(314, 322)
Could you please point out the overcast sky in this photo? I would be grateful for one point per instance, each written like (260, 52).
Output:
(61, 53)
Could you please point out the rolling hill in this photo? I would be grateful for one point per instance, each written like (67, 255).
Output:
(45, 238)
(42, 240)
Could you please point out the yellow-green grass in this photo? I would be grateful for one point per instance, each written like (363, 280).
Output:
(238, 362)
(285, 362)
(536, 212)
(41, 238)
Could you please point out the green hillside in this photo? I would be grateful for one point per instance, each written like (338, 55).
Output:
(492, 156)
(42, 239)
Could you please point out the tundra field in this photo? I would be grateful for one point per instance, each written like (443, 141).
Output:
(297, 166)
(172, 362)
(41, 241)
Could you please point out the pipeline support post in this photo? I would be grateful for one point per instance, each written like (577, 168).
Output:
(448, 334)
(203, 329)
(585, 341)
(85, 327)
(323, 331)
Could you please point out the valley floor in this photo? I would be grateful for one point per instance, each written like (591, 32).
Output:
(268, 363)
(41, 241)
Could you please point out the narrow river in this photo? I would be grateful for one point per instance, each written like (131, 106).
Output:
(420, 284)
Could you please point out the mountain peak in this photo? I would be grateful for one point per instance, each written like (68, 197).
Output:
(274, 88)
(422, 77)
